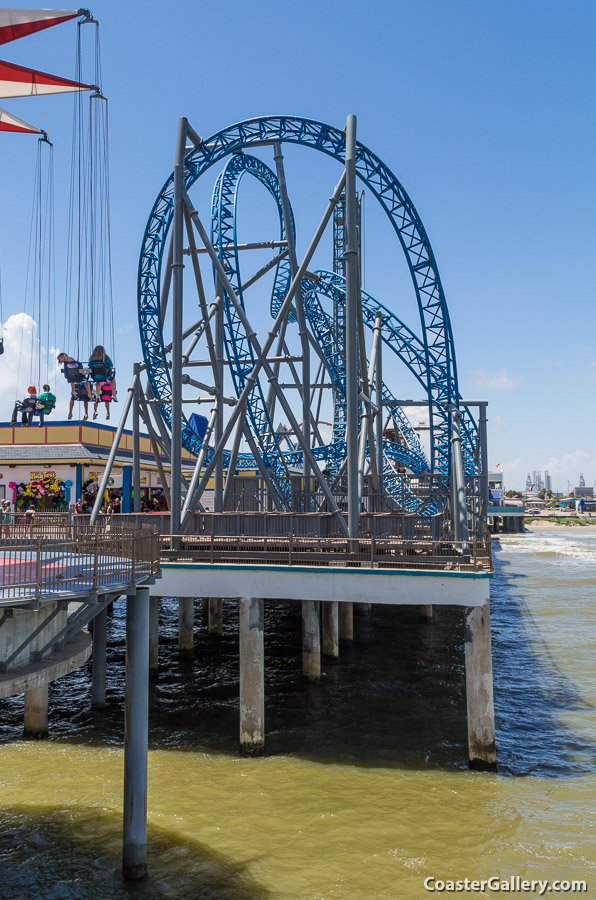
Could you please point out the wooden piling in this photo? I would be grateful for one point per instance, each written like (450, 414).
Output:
(215, 616)
(479, 689)
(36, 711)
(346, 621)
(330, 628)
(311, 640)
(186, 612)
(252, 677)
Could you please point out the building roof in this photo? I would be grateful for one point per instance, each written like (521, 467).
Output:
(63, 453)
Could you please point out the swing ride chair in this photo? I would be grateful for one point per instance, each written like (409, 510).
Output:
(372, 460)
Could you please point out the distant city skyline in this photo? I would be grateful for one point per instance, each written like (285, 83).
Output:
(535, 483)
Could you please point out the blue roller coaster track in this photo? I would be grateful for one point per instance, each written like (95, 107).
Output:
(429, 356)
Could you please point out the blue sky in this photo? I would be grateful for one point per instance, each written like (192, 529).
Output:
(483, 110)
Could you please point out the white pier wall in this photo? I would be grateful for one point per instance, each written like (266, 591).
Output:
(390, 586)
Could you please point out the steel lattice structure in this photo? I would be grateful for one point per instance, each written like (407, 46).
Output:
(429, 354)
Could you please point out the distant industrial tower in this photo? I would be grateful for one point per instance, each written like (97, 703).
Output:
(583, 492)
(528, 483)
(548, 482)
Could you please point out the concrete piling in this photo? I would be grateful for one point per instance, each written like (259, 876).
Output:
(215, 616)
(346, 621)
(186, 613)
(252, 677)
(426, 613)
(136, 734)
(311, 640)
(330, 628)
(98, 686)
(36, 711)
(154, 633)
(479, 689)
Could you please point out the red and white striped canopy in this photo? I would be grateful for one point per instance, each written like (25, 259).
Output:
(8, 122)
(19, 81)
(17, 23)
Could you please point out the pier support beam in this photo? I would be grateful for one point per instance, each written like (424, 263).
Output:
(186, 615)
(330, 623)
(36, 711)
(346, 621)
(136, 734)
(311, 640)
(154, 633)
(426, 613)
(215, 616)
(98, 687)
(479, 689)
(252, 677)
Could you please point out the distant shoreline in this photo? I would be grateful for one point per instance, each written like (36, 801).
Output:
(564, 523)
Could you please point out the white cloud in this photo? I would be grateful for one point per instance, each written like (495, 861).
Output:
(26, 362)
(496, 381)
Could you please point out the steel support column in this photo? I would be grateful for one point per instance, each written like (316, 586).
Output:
(351, 325)
(136, 443)
(460, 512)
(136, 734)
(177, 316)
(98, 687)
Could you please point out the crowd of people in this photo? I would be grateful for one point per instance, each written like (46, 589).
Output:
(91, 382)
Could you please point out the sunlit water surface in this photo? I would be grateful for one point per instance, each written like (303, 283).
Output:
(364, 791)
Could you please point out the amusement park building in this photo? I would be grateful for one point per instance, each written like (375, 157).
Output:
(70, 451)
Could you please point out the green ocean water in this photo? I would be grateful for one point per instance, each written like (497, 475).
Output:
(364, 791)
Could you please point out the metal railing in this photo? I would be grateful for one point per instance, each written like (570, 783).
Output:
(75, 559)
(387, 524)
(473, 555)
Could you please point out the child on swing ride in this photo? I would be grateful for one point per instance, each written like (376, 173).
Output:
(25, 406)
(102, 369)
(103, 395)
(80, 391)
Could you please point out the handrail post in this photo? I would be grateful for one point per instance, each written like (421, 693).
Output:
(38, 569)
(96, 562)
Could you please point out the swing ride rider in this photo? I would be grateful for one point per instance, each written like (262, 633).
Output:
(75, 375)
(101, 369)
(44, 406)
(103, 395)
(25, 406)
(80, 391)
